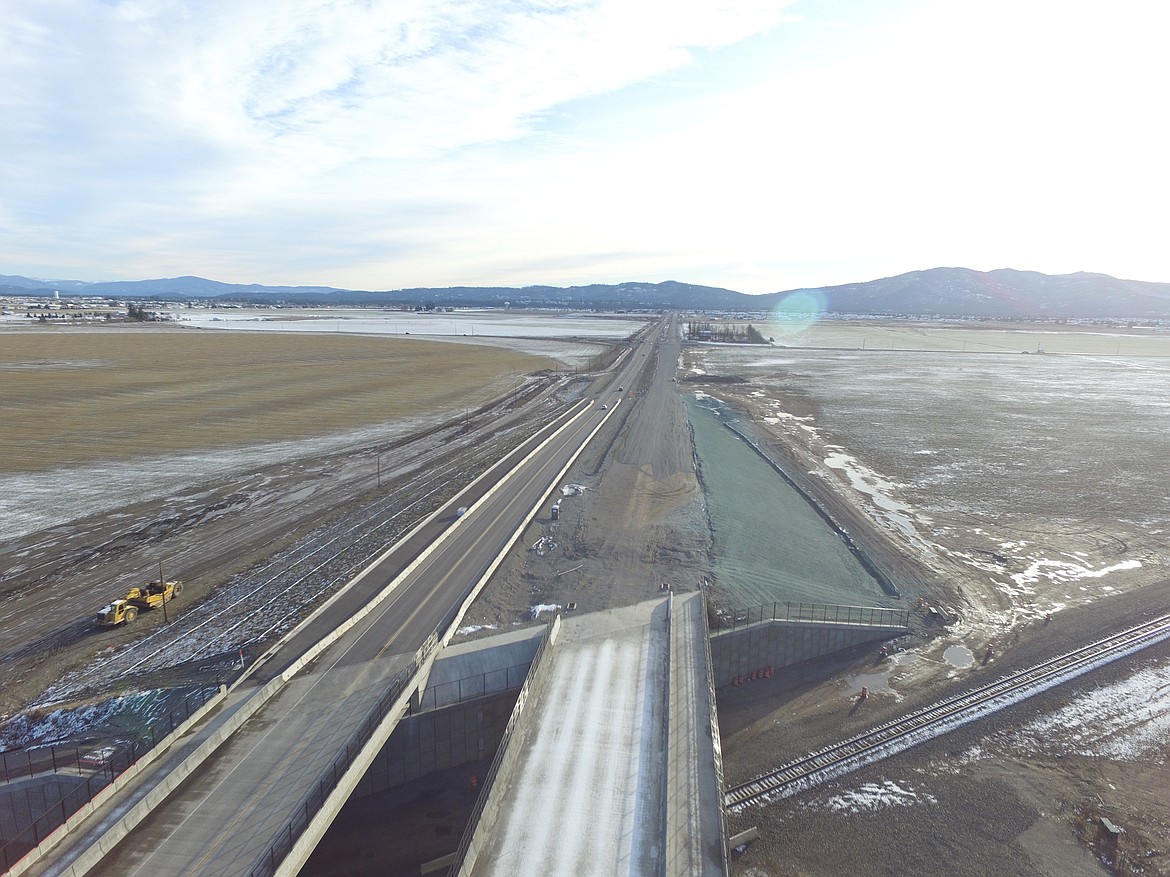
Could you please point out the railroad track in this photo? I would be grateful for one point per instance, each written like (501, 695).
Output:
(940, 717)
(327, 559)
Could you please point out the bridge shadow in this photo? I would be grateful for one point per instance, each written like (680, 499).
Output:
(742, 705)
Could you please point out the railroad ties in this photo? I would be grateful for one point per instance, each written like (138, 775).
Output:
(940, 717)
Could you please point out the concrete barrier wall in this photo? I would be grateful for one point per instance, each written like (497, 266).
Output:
(461, 715)
(779, 644)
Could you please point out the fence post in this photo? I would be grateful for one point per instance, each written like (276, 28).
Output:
(36, 826)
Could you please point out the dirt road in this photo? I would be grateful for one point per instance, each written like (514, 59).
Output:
(632, 523)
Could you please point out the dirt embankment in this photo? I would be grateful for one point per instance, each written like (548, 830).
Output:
(630, 521)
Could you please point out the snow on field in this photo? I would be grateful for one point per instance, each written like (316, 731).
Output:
(24, 731)
(1128, 720)
(877, 489)
(38, 501)
(30, 502)
(869, 797)
(1063, 571)
(462, 324)
(1030, 475)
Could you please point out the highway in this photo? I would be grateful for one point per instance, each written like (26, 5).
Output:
(224, 818)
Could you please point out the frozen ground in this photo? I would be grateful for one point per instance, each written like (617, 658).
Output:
(481, 325)
(1026, 484)
(1123, 720)
(1034, 480)
(1100, 753)
(219, 521)
(36, 501)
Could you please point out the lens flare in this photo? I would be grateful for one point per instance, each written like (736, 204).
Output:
(796, 312)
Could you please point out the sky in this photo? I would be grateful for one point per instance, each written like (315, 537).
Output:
(757, 145)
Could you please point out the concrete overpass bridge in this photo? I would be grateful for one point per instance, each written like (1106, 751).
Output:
(609, 762)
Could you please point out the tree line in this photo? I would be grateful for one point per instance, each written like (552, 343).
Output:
(728, 333)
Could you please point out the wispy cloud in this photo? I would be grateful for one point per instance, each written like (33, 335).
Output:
(420, 142)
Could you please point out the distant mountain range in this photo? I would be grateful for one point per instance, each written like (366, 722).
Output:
(937, 292)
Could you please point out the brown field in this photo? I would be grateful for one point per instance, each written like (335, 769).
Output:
(77, 396)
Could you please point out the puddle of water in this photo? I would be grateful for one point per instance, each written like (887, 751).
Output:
(959, 656)
(875, 682)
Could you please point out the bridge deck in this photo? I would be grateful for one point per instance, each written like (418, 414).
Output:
(612, 754)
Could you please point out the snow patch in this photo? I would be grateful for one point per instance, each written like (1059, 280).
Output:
(871, 797)
(877, 488)
(1064, 571)
(1128, 720)
(475, 628)
(27, 730)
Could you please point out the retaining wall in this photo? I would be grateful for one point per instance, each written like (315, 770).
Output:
(779, 644)
(439, 739)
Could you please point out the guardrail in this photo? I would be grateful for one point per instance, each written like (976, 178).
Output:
(332, 775)
(457, 691)
(725, 856)
(723, 618)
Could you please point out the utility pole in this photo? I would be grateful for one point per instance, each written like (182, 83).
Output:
(163, 586)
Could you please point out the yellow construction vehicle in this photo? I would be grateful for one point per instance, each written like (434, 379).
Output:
(150, 596)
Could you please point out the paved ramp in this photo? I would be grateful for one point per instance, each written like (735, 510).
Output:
(611, 766)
